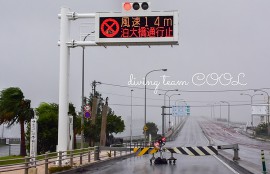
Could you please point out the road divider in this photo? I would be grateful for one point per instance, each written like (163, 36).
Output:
(191, 151)
(194, 151)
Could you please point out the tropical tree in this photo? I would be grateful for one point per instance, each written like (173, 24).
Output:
(115, 124)
(48, 126)
(151, 129)
(14, 108)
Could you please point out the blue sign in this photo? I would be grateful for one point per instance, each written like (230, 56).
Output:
(180, 110)
(87, 114)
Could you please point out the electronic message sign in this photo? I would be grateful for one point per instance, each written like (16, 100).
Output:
(146, 28)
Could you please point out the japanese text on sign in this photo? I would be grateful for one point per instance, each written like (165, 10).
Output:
(136, 27)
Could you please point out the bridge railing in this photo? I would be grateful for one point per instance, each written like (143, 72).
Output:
(60, 159)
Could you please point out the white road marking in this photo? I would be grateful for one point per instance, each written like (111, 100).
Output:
(226, 165)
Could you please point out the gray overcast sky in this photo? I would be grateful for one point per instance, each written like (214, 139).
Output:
(216, 36)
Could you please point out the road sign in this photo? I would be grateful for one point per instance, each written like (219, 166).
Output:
(138, 28)
(87, 108)
(188, 110)
(180, 110)
(109, 28)
(145, 128)
(259, 109)
(87, 114)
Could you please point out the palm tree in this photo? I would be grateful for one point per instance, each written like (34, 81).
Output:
(15, 109)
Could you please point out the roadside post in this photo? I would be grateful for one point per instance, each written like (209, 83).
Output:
(7, 143)
(263, 162)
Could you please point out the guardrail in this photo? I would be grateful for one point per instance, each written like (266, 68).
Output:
(174, 134)
(62, 158)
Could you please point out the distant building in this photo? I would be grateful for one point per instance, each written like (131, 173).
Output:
(12, 132)
(258, 120)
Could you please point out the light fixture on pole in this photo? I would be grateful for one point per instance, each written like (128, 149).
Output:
(145, 98)
(169, 96)
(165, 94)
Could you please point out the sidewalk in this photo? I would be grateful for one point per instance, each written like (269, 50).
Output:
(76, 163)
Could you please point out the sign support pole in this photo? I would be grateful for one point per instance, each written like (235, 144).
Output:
(63, 121)
(163, 115)
(65, 43)
(163, 118)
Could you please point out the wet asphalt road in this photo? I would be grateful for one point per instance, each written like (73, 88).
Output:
(250, 149)
(191, 135)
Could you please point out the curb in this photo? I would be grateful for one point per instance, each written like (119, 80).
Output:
(179, 128)
(253, 137)
(84, 168)
(234, 164)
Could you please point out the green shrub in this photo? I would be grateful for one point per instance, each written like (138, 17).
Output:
(58, 169)
(262, 129)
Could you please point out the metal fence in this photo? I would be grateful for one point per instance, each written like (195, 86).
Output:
(62, 158)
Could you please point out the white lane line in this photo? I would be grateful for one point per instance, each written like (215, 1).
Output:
(226, 165)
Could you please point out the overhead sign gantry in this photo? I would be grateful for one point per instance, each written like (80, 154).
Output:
(145, 28)
(135, 25)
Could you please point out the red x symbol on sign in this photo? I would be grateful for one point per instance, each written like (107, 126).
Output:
(109, 27)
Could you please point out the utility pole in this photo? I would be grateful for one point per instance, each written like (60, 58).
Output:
(95, 101)
(104, 124)
(163, 118)
(94, 85)
(131, 118)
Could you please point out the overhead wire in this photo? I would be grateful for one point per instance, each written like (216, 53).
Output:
(137, 105)
(208, 105)
(195, 101)
(142, 88)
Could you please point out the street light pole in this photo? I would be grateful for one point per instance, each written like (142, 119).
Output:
(228, 111)
(220, 111)
(82, 108)
(145, 97)
(267, 102)
(251, 103)
(131, 118)
(211, 111)
(165, 94)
